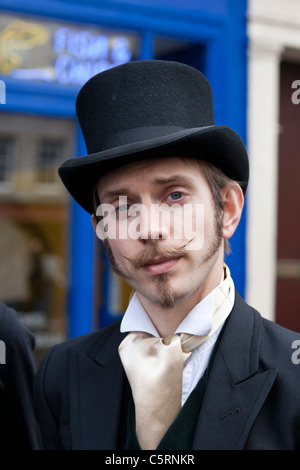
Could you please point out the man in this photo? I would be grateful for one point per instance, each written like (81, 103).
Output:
(19, 430)
(191, 365)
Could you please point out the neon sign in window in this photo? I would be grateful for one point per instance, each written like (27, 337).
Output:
(48, 51)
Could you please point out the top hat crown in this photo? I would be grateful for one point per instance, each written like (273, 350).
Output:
(148, 109)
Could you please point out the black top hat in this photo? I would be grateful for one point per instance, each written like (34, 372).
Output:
(148, 109)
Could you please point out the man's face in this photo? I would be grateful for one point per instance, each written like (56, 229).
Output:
(162, 260)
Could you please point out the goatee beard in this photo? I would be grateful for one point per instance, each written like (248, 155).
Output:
(166, 297)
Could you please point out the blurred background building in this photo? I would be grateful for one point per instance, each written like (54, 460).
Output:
(52, 268)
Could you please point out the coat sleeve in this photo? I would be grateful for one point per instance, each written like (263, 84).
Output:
(17, 415)
(50, 396)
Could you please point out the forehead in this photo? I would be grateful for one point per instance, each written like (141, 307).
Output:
(149, 171)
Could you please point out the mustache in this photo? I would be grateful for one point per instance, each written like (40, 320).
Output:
(143, 258)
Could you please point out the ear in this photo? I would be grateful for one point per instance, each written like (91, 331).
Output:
(94, 222)
(233, 199)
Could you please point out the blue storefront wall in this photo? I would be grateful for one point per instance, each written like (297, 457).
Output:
(216, 36)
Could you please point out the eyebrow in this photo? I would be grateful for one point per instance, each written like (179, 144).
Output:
(114, 193)
(177, 178)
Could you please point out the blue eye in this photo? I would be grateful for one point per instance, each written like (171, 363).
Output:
(176, 195)
(123, 208)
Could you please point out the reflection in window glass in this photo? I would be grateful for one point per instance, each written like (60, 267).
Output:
(49, 157)
(34, 224)
(6, 156)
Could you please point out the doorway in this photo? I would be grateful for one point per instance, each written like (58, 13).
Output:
(288, 241)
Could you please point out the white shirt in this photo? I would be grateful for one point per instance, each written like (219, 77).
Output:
(197, 322)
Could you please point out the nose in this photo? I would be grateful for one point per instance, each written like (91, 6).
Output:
(153, 224)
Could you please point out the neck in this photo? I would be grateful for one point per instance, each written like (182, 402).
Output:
(167, 319)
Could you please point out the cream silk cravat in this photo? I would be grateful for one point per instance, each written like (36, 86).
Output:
(154, 369)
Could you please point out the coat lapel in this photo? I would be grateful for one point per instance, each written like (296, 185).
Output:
(236, 390)
(96, 383)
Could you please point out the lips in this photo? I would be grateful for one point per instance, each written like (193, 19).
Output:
(160, 265)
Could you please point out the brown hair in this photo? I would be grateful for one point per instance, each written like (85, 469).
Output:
(217, 181)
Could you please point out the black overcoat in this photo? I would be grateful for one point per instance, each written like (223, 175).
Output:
(252, 399)
(18, 426)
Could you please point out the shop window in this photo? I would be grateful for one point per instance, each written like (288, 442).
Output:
(49, 157)
(34, 224)
(6, 158)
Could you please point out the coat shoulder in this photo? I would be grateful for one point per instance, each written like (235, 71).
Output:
(271, 332)
(85, 344)
(280, 348)
(12, 331)
(278, 424)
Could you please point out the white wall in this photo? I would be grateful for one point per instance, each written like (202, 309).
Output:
(274, 33)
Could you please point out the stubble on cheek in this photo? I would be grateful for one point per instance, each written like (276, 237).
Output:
(112, 260)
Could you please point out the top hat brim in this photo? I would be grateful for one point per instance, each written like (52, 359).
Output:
(218, 145)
